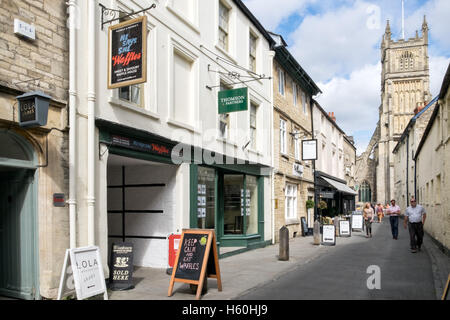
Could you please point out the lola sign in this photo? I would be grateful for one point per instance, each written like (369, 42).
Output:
(83, 270)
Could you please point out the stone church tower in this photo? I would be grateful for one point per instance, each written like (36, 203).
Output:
(405, 84)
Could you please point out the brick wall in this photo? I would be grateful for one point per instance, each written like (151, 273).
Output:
(45, 58)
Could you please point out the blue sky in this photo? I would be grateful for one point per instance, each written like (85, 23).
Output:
(338, 43)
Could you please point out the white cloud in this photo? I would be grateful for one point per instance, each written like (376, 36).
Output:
(354, 101)
(438, 67)
(337, 42)
(272, 12)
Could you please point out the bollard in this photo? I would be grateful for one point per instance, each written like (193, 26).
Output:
(316, 232)
(284, 244)
(336, 226)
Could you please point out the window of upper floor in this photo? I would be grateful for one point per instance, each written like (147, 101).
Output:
(252, 51)
(281, 81)
(224, 26)
(294, 93)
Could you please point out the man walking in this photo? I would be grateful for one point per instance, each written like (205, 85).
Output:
(393, 211)
(415, 216)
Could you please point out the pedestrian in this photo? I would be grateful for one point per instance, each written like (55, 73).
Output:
(393, 211)
(415, 216)
(379, 212)
(368, 215)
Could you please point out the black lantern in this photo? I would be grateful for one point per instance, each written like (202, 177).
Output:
(33, 109)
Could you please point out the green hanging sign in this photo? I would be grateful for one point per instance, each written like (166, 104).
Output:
(233, 100)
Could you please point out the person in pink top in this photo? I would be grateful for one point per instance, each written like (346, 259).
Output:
(393, 212)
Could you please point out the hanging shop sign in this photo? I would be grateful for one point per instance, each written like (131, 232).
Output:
(233, 100)
(83, 270)
(309, 149)
(121, 266)
(357, 221)
(328, 235)
(327, 194)
(197, 259)
(33, 109)
(127, 53)
(344, 228)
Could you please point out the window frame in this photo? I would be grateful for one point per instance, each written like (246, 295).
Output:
(283, 137)
(290, 194)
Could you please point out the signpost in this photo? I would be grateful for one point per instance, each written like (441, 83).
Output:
(233, 100)
(357, 221)
(127, 53)
(344, 228)
(83, 270)
(328, 235)
(195, 261)
(121, 266)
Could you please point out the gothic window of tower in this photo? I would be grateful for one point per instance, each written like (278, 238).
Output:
(406, 61)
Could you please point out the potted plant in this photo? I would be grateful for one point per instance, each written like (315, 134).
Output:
(309, 204)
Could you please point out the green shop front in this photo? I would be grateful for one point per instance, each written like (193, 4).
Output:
(228, 198)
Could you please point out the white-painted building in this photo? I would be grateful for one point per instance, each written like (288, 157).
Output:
(331, 180)
(127, 185)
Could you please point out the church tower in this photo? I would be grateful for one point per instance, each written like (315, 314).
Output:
(405, 84)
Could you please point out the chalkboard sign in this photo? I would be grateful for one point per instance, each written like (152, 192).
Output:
(121, 266)
(195, 260)
(127, 47)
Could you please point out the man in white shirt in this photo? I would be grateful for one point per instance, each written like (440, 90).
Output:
(393, 211)
(415, 216)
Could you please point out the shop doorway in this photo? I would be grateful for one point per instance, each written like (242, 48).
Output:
(18, 218)
(141, 207)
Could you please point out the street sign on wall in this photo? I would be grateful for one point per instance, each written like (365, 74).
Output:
(233, 100)
(127, 53)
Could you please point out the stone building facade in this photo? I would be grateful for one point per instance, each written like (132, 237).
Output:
(33, 160)
(404, 152)
(433, 167)
(293, 178)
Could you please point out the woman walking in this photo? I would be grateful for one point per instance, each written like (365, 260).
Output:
(368, 215)
(379, 212)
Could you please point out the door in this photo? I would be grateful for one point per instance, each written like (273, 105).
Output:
(18, 266)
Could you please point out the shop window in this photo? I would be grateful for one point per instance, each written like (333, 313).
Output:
(251, 209)
(291, 201)
(234, 201)
(240, 204)
(206, 198)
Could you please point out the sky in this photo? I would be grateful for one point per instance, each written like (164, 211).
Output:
(338, 42)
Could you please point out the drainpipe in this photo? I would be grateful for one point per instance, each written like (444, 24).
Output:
(407, 169)
(72, 201)
(91, 97)
(272, 160)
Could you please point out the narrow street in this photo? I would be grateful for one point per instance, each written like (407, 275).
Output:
(342, 274)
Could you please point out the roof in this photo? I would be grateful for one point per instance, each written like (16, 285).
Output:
(328, 117)
(295, 70)
(427, 130)
(445, 83)
(412, 121)
(255, 21)
(340, 186)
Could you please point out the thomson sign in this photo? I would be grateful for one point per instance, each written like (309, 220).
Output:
(233, 100)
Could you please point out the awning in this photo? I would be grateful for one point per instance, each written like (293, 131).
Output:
(340, 186)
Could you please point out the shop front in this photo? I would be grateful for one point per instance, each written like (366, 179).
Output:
(339, 197)
(151, 194)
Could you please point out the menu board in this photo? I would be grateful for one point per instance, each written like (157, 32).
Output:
(357, 221)
(195, 260)
(344, 228)
(328, 235)
(127, 53)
